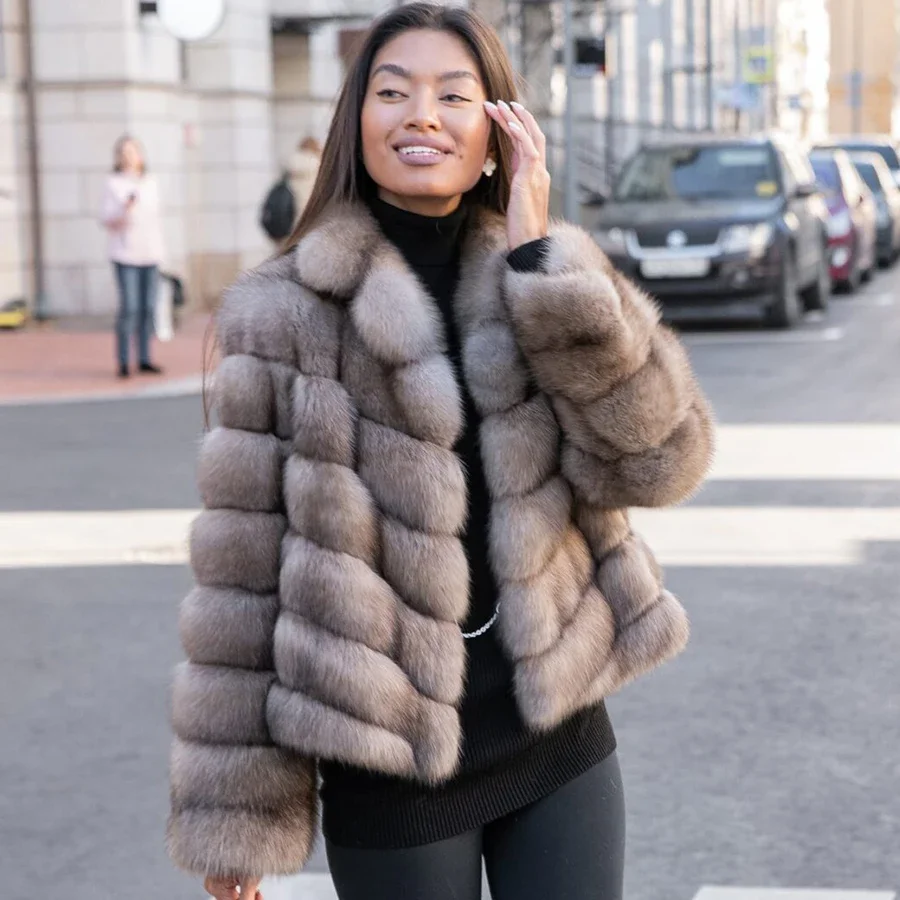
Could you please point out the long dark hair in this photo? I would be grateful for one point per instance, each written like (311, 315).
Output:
(342, 176)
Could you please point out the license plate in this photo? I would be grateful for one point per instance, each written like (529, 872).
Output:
(684, 267)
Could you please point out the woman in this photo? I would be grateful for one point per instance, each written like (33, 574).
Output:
(131, 215)
(416, 576)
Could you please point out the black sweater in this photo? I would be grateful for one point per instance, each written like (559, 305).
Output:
(504, 766)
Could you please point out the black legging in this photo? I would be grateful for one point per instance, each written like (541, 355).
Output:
(568, 846)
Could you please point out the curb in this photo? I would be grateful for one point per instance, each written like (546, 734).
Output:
(181, 387)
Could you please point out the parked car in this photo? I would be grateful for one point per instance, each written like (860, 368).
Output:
(878, 179)
(881, 144)
(852, 217)
(716, 226)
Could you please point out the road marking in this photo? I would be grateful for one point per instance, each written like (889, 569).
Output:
(689, 536)
(742, 893)
(765, 536)
(799, 336)
(320, 887)
(309, 886)
(873, 300)
(694, 535)
(122, 537)
(816, 452)
(300, 887)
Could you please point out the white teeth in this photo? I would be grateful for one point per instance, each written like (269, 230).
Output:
(420, 151)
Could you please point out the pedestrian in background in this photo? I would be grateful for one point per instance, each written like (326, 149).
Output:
(131, 215)
(286, 199)
(416, 579)
(302, 168)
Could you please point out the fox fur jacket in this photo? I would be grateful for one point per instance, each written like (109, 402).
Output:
(331, 581)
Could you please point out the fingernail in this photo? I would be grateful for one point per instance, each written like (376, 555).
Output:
(513, 125)
(490, 105)
(516, 105)
(502, 104)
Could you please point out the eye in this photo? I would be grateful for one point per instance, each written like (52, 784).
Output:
(455, 98)
(389, 94)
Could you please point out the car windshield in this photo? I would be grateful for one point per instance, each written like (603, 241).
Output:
(731, 171)
(870, 176)
(827, 173)
(885, 151)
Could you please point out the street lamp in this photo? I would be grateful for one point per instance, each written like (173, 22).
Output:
(187, 21)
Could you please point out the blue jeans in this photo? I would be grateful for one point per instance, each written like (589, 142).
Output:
(137, 303)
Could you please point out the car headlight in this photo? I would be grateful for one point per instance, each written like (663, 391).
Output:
(840, 224)
(611, 240)
(752, 239)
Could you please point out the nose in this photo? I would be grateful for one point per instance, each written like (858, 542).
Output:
(423, 113)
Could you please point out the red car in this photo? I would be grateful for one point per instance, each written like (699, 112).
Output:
(852, 219)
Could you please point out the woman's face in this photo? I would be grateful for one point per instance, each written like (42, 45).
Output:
(131, 157)
(424, 129)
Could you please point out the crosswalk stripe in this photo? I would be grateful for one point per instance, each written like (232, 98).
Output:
(689, 536)
(765, 536)
(818, 452)
(300, 887)
(320, 887)
(315, 887)
(107, 538)
(757, 338)
(746, 893)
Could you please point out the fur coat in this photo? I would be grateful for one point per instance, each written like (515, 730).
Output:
(331, 581)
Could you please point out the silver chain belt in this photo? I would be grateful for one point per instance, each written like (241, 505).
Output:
(468, 635)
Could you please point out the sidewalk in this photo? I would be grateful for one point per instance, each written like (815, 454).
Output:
(75, 360)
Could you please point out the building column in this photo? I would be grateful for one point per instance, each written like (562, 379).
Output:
(14, 264)
(231, 161)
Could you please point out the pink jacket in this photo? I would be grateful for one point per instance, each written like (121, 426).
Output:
(135, 234)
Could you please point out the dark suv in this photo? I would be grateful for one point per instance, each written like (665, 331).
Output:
(721, 225)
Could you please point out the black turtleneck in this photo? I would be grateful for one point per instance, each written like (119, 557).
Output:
(504, 766)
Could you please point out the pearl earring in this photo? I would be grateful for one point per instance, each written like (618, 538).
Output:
(490, 166)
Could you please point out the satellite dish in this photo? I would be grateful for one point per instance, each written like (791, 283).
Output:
(188, 20)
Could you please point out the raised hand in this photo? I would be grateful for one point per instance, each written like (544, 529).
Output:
(527, 218)
(233, 888)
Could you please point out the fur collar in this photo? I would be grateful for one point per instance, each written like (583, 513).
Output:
(337, 254)
(347, 257)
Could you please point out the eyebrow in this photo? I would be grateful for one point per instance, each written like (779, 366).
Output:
(400, 72)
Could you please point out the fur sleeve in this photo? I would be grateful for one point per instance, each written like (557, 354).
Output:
(241, 806)
(638, 430)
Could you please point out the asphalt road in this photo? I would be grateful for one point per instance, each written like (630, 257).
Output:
(766, 755)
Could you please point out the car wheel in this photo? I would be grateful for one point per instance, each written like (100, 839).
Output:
(819, 293)
(851, 285)
(785, 311)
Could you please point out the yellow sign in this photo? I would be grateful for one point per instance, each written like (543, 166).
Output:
(759, 65)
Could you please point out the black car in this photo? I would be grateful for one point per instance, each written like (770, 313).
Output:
(874, 172)
(721, 225)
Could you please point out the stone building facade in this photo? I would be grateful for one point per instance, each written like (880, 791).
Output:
(217, 119)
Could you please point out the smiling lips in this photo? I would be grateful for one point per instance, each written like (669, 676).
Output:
(421, 154)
